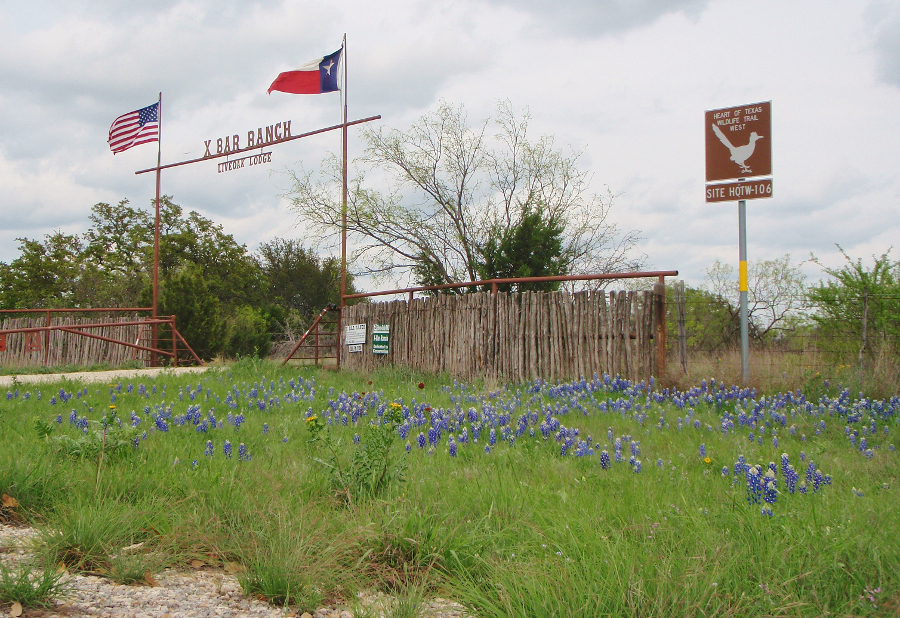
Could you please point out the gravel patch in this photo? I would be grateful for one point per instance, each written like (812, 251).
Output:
(204, 593)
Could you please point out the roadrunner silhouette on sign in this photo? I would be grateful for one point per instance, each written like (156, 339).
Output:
(739, 154)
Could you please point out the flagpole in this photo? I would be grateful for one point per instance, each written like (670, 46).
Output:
(153, 356)
(343, 212)
(344, 188)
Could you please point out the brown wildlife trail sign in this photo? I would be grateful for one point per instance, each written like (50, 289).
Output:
(739, 142)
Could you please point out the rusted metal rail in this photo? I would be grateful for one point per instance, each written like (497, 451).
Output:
(78, 330)
(314, 329)
(494, 283)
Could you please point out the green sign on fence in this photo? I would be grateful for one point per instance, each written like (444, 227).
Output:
(381, 338)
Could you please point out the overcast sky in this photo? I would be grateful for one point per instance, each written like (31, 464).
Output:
(626, 81)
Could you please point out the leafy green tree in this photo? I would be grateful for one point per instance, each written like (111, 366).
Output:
(857, 311)
(187, 295)
(711, 322)
(248, 332)
(299, 280)
(44, 275)
(533, 247)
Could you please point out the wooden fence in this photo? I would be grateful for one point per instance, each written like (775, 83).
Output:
(54, 348)
(516, 337)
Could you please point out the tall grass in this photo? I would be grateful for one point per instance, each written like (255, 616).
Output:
(517, 531)
(773, 371)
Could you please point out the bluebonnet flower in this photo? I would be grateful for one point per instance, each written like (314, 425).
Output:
(754, 485)
(770, 491)
(604, 459)
(802, 487)
(73, 417)
(766, 510)
(194, 464)
(858, 493)
(408, 447)
(452, 447)
(284, 440)
(492, 437)
(243, 455)
(226, 449)
(59, 419)
(659, 463)
(636, 466)
(725, 470)
(356, 438)
(702, 450)
(487, 449)
(161, 424)
(265, 428)
(420, 440)
(209, 449)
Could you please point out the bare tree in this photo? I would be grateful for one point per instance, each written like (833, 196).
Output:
(449, 186)
(775, 292)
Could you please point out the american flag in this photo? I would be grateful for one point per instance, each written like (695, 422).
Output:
(137, 127)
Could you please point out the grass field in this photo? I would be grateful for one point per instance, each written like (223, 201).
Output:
(593, 498)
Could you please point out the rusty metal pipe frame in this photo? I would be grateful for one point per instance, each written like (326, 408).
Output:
(84, 310)
(661, 274)
(77, 329)
(307, 333)
(110, 340)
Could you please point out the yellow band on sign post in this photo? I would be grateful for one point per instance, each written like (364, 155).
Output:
(743, 276)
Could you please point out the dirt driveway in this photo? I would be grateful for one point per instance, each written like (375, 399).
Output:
(97, 376)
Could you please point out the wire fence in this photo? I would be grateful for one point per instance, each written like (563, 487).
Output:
(708, 328)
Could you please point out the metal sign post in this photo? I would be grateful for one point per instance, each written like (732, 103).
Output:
(742, 286)
(739, 146)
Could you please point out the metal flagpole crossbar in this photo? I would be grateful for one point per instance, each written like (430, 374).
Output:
(259, 146)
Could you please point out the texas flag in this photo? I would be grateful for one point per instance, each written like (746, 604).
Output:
(315, 77)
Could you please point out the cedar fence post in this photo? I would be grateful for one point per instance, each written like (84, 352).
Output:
(659, 301)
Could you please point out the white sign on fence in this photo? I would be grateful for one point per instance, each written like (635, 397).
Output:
(355, 334)
(355, 347)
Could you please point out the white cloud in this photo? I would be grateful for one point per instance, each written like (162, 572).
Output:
(627, 83)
